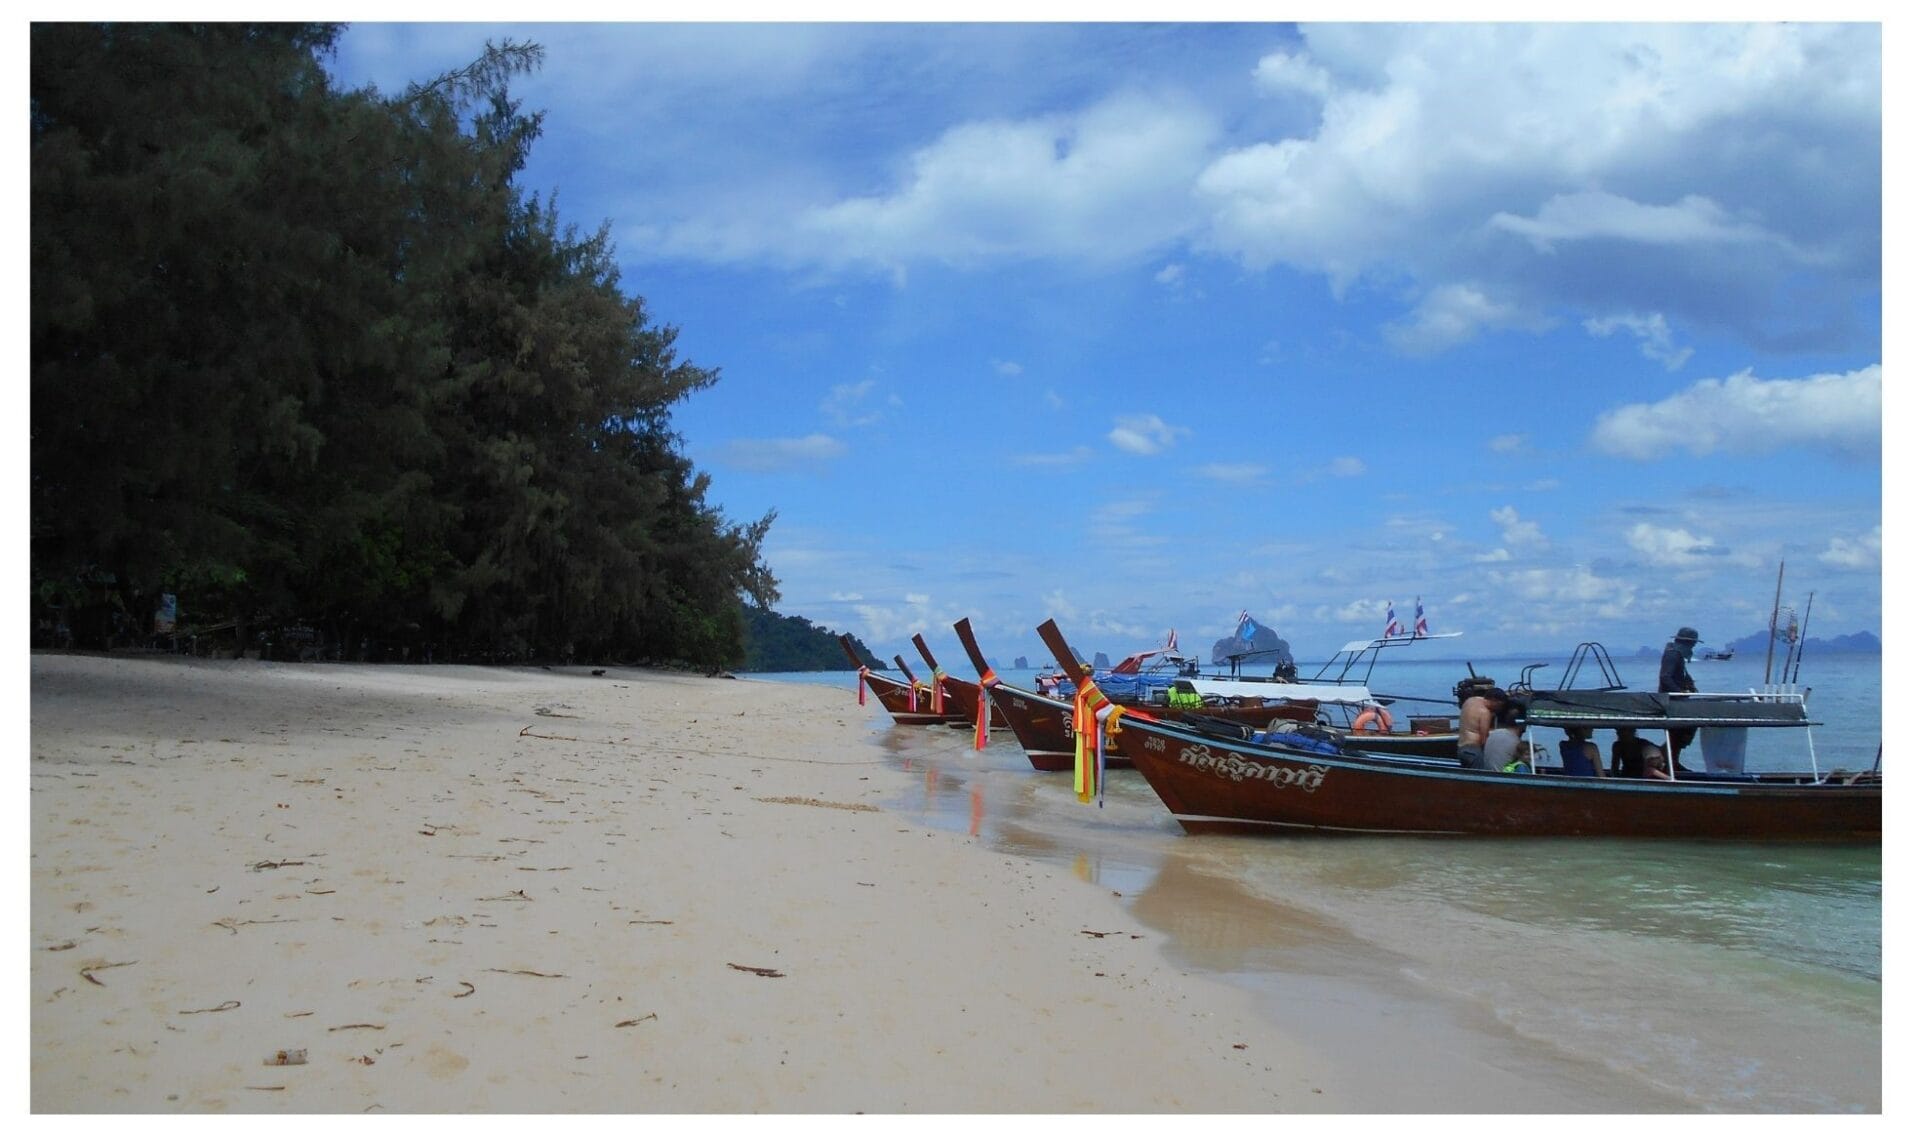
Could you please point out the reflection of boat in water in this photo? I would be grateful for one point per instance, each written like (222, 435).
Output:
(1268, 783)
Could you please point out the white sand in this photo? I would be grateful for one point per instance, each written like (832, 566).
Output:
(375, 866)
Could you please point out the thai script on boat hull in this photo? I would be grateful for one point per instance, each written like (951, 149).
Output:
(1233, 766)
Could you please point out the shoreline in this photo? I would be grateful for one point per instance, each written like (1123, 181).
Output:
(463, 889)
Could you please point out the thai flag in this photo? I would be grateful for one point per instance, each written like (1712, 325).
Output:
(1393, 622)
(1419, 619)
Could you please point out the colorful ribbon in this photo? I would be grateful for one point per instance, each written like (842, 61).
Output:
(913, 696)
(939, 701)
(987, 681)
(1088, 760)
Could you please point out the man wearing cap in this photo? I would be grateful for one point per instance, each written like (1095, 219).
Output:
(1674, 678)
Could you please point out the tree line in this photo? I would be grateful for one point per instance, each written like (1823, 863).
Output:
(310, 356)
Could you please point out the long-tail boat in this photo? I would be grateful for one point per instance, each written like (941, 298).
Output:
(1272, 784)
(1043, 725)
(907, 702)
(957, 693)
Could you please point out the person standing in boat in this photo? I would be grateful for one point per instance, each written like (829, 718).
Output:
(1479, 700)
(1674, 678)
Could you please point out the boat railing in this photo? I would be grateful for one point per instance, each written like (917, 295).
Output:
(1600, 657)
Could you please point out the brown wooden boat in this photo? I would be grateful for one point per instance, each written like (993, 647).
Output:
(1218, 783)
(957, 693)
(1043, 725)
(907, 702)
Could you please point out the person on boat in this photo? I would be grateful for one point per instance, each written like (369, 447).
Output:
(1629, 754)
(1654, 760)
(1579, 755)
(1503, 745)
(1479, 700)
(1674, 678)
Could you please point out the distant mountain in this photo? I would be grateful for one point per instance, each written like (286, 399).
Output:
(1021, 662)
(779, 643)
(1863, 642)
(1252, 643)
(1100, 660)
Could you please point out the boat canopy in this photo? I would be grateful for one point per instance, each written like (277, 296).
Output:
(1621, 708)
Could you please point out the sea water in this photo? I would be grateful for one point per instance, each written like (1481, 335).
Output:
(1660, 975)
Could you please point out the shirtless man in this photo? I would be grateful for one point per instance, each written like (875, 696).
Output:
(1478, 704)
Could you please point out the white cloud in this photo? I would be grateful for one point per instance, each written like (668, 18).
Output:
(1497, 555)
(1508, 443)
(1283, 72)
(1606, 147)
(1107, 184)
(1670, 547)
(1856, 553)
(1453, 314)
(1692, 220)
(1010, 369)
(1053, 400)
(1570, 590)
(1515, 531)
(1836, 412)
(1145, 434)
(1172, 275)
(913, 599)
(1346, 466)
(1656, 339)
(777, 454)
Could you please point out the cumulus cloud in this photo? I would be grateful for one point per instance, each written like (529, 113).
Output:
(1671, 547)
(1656, 339)
(1497, 555)
(1107, 184)
(1145, 434)
(1285, 72)
(1509, 170)
(1001, 366)
(778, 454)
(1838, 413)
(1856, 553)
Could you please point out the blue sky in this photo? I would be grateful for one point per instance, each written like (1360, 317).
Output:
(1572, 331)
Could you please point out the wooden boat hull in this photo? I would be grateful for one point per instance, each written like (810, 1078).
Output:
(1217, 785)
(1044, 728)
(897, 698)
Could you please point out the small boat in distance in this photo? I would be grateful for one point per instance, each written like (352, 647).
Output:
(1718, 655)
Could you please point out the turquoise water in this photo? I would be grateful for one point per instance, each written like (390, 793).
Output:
(1688, 976)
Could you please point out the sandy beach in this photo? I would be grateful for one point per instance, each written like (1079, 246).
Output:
(262, 887)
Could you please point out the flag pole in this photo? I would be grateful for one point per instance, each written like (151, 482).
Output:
(1773, 623)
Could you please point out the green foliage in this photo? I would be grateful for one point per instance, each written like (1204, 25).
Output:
(779, 643)
(310, 355)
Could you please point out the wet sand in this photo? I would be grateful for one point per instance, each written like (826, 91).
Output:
(260, 887)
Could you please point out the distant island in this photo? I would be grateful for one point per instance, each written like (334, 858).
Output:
(1020, 662)
(1863, 642)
